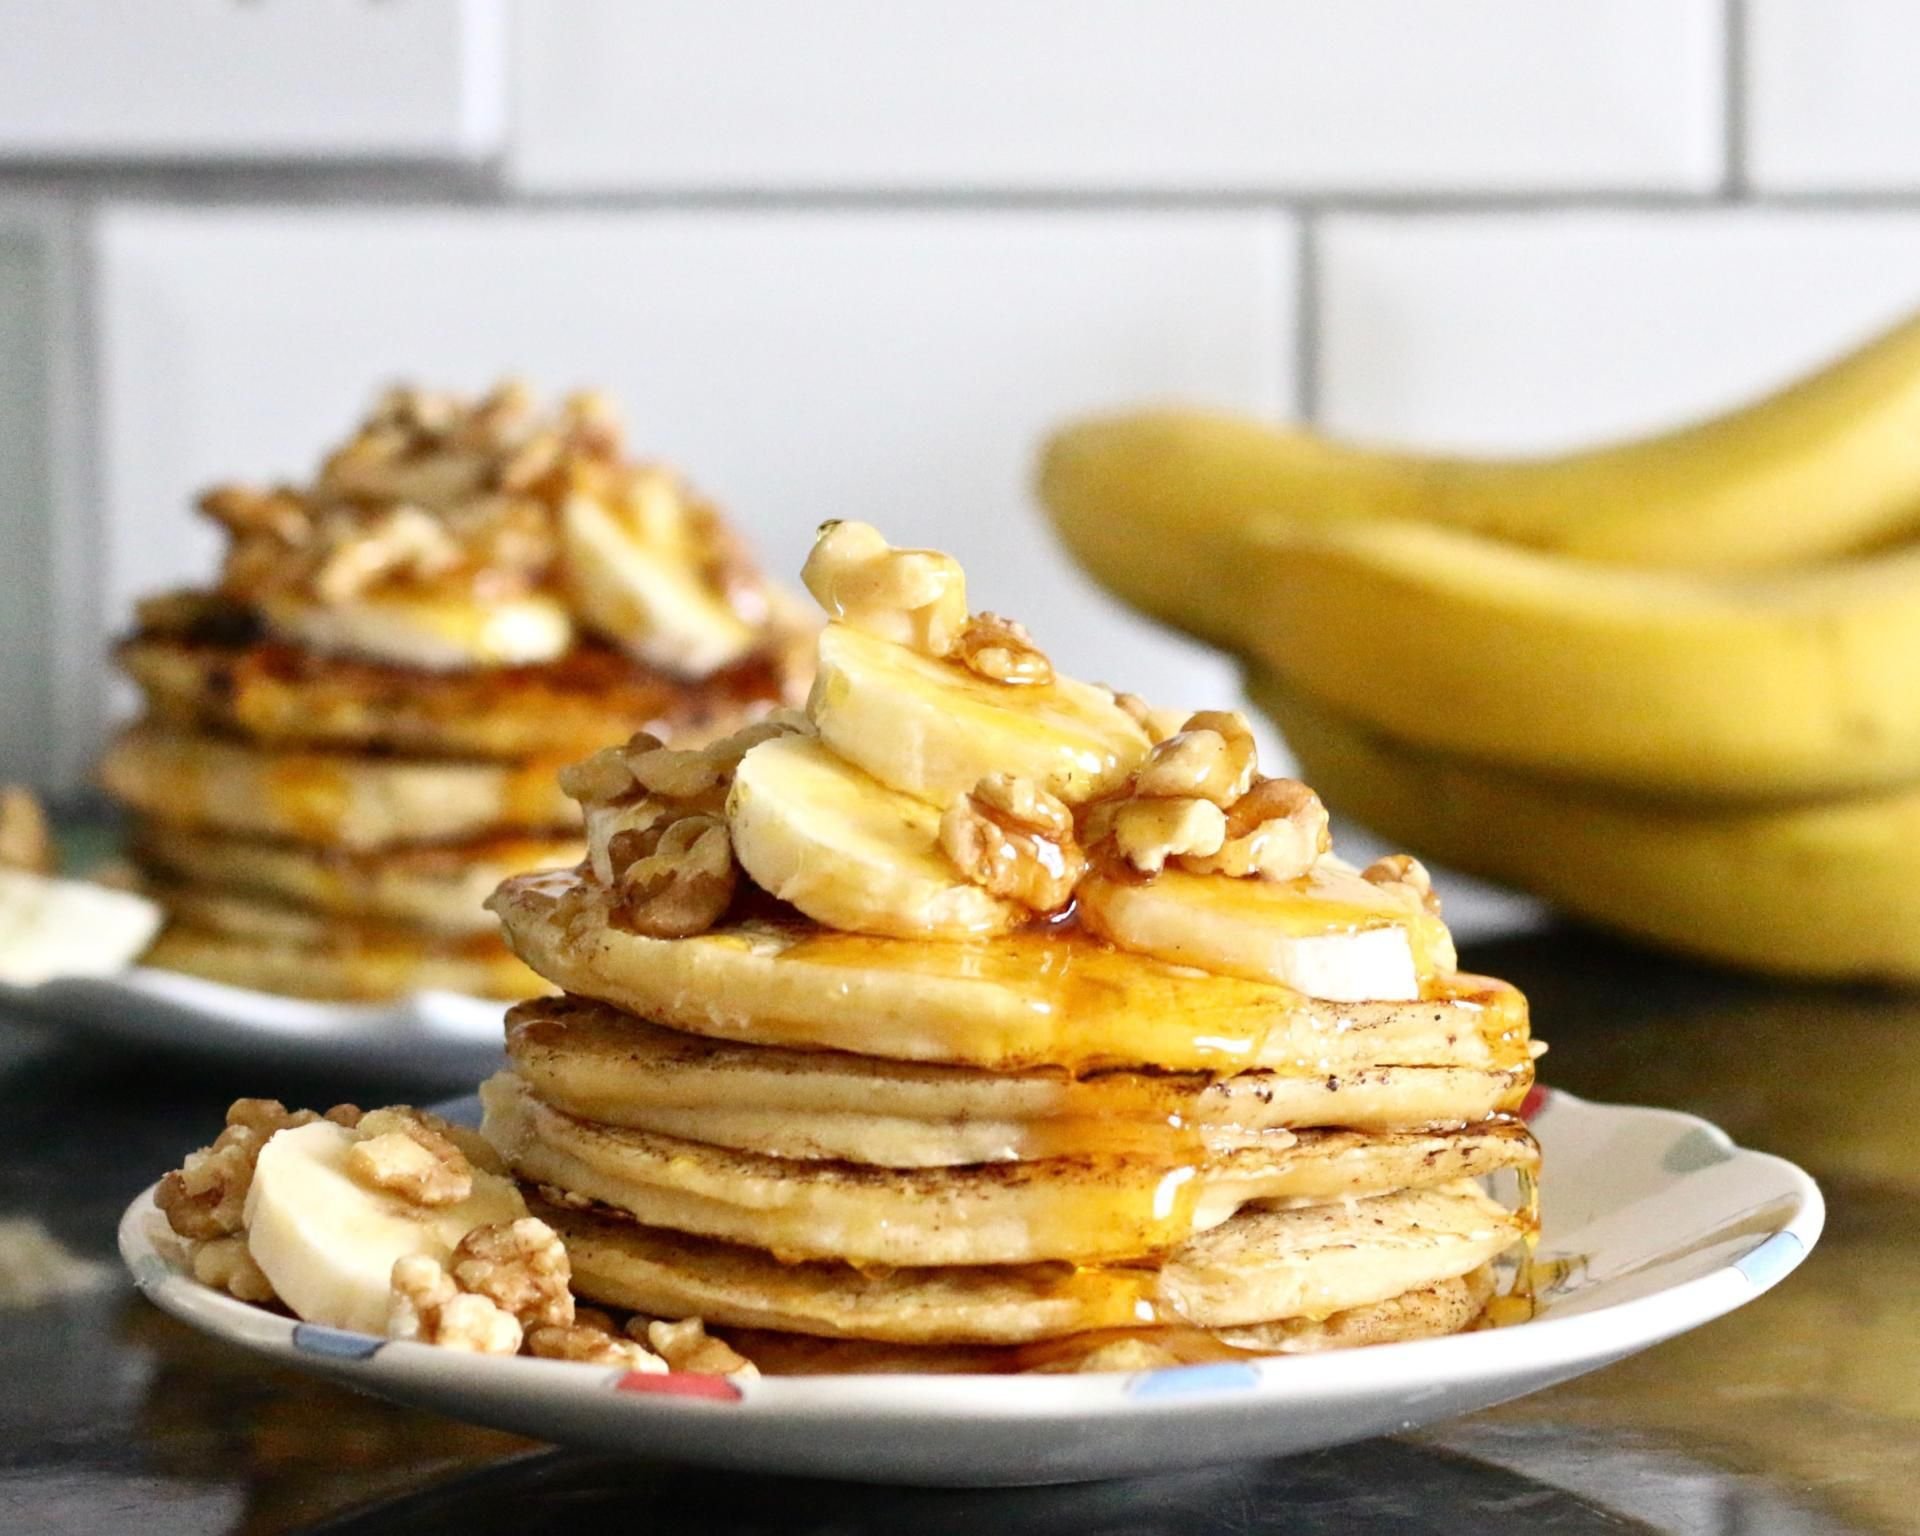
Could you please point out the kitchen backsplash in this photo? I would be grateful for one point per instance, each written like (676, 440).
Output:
(850, 257)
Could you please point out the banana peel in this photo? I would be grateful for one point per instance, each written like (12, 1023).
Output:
(1827, 466)
(1821, 890)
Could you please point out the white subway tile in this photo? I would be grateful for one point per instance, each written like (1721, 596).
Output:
(1372, 95)
(897, 367)
(1831, 103)
(45, 591)
(184, 79)
(1524, 332)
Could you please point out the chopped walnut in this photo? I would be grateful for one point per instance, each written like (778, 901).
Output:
(913, 597)
(593, 1346)
(1012, 838)
(410, 1153)
(399, 542)
(427, 1307)
(687, 1346)
(1277, 830)
(1002, 651)
(521, 1267)
(1149, 832)
(225, 1264)
(1159, 724)
(1213, 757)
(26, 841)
(206, 1196)
(1402, 873)
(677, 883)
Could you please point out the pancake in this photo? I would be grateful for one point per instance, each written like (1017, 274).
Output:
(593, 697)
(1033, 998)
(356, 803)
(1259, 1268)
(440, 887)
(1433, 1311)
(596, 1064)
(358, 965)
(1085, 1209)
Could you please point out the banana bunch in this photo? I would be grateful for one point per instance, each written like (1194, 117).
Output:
(1672, 685)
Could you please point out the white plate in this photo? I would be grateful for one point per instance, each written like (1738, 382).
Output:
(1654, 1222)
(430, 1037)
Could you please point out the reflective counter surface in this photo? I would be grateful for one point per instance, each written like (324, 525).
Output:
(1800, 1413)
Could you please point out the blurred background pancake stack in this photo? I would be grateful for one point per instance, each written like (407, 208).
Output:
(882, 1073)
(352, 735)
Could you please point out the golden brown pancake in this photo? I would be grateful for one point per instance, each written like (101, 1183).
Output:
(1033, 998)
(440, 887)
(355, 965)
(1085, 1209)
(598, 1064)
(564, 710)
(1258, 1268)
(330, 799)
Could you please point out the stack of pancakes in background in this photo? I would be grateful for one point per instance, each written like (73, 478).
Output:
(353, 736)
(979, 1020)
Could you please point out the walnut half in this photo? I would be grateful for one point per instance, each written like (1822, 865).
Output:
(1013, 838)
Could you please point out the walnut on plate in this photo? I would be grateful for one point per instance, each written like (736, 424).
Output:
(427, 1306)
(206, 1196)
(687, 1346)
(413, 1154)
(1013, 838)
(521, 1267)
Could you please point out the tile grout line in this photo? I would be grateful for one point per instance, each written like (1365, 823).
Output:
(1733, 122)
(1306, 317)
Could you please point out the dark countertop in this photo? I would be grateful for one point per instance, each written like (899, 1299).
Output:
(1799, 1413)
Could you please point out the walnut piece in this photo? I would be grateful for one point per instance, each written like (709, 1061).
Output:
(593, 1346)
(1014, 839)
(26, 841)
(400, 542)
(687, 1346)
(411, 1153)
(1406, 875)
(675, 882)
(427, 1307)
(913, 597)
(1277, 830)
(225, 1264)
(521, 1267)
(1002, 651)
(1149, 832)
(1212, 757)
(206, 1196)
(1159, 724)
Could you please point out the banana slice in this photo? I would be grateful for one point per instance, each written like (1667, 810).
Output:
(850, 853)
(53, 928)
(328, 1243)
(636, 579)
(1330, 936)
(933, 730)
(449, 633)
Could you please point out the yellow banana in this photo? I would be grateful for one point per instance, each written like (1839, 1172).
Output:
(1819, 890)
(1749, 688)
(1826, 466)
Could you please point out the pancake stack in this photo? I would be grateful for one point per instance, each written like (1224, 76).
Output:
(354, 735)
(983, 1019)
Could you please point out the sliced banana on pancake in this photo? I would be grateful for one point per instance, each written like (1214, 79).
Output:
(335, 799)
(1329, 934)
(596, 1064)
(436, 632)
(816, 832)
(1031, 998)
(634, 568)
(1083, 1209)
(1258, 1268)
(932, 729)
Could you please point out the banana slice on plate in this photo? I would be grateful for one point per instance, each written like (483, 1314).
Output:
(435, 632)
(933, 730)
(637, 574)
(1331, 935)
(53, 928)
(328, 1243)
(851, 853)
